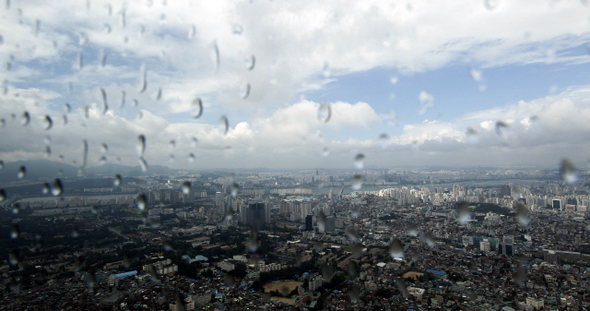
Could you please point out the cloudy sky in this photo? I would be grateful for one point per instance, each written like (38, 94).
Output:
(302, 84)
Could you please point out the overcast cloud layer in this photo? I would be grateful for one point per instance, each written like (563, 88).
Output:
(138, 67)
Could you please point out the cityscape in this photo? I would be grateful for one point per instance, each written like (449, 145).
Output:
(311, 240)
(294, 155)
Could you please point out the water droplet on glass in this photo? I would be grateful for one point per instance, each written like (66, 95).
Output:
(194, 142)
(354, 293)
(245, 90)
(102, 160)
(396, 249)
(326, 72)
(428, 239)
(143, 164)
(2, 195)
(352, 234)
(523, 214)
(475, 74)
(141, 201)
(123, 18)
(463, 213)
(14, 258)
(105, 106)
(325, 152)
(250, 62)
(197, 107)
(167, 246)
(140, 147)
(158, 94)
(520, 276)
(425, 102)
(357, 182)
(412, 230)
(253, 241)
(47, 152)
(237, 29)
(80, 61)
(568, 172)
(46, 188)
(186, 187)
(25, 118)
(37, 27)
(192, 31)
(1, 164)
(65, 118)
(48, 122)
(22, 172)
(14, 233)
(191, 157)
(325, 112)
(223, 124)
(117, 180)
(321, 222)
(359, 161)
(490, 5)
(234, 189)
(84, 155)
(215, 55)
(56, 187)
(143, 81)
(502, 129)
(471, 135)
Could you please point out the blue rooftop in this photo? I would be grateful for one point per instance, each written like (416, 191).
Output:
(126, 274)
(436, 272)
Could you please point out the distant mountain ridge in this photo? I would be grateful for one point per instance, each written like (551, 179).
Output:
(43, 170)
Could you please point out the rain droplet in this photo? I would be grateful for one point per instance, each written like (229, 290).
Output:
(84, 155)
(325, 112)
(412, 230)
(223, 124)
(14, 233)
(14, 258)
(47, 152)
(215, 55)
(326, 72)
(523, 214)
(354, 293)
(250, 62)
(103, 59)
(359, 161)
(253, 241)
(191, 157)
(22, 172)
(325, 152)
(135, 102)
(102, 160)
(192, 31)
(46, 188)
(245, 91)
(490, 5)
(143, 165)
(141, 202)
(357, 182)
(352, 234)
(186, 187)
(237, 29)
(143, 81)
(475, 74)
(1, 164)
(65, 118)
(384, 140)
(56, 187)
(104, 101)
(37, 27)
(158, 94)
(463, 213)
(233, 188)
(568, 172)
(117, 180)
(520, 276)
(49, 122)
(140, 147)
(321, 222)
(80, 61)
(471, 135)
(123, 18)
(502, 129)
(426, 101)
(194, 142)
(396, 249)
(197, 107)
(25, 118)
(2, 195)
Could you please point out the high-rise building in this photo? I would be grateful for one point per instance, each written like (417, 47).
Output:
(330, 224)
(162, 195)
(505, 191)
(255, 214)
(506, 248)
(557, 204)
(485, 245)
